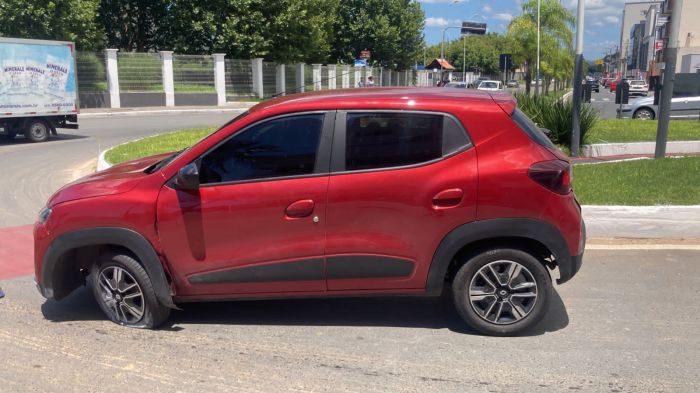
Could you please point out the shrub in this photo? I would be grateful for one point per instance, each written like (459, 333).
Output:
(555, 114)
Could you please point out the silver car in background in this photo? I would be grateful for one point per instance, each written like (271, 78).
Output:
(644, 108)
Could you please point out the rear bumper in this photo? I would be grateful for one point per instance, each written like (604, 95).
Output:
(568, 270)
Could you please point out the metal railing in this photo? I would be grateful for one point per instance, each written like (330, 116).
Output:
(90, 72)
(140, 72)
(239, 77)
(193, 74)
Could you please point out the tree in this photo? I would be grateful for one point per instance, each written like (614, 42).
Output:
(66, 20)
(556, 23)
(134, 25)
(390, 29)
(281, 31)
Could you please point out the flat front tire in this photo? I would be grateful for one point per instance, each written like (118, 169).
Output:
(502, 292)
(125, 293)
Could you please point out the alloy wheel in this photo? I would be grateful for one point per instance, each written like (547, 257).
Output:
(122, 294)
(503, 292)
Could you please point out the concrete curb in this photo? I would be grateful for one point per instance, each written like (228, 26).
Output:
(662, 221)
(621, 149)
(163, 112)
(102, 164)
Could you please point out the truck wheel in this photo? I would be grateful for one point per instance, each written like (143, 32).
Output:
(37, 131)
(502, 292)
(125, 293)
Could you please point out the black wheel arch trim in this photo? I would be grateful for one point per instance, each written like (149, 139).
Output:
(116, 236)
(469, 233)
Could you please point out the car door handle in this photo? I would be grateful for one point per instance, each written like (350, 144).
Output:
(300, 209)
(448, 198)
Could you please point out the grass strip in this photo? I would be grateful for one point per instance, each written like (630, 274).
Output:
(634, 130)
(156, 144)
(674, 181)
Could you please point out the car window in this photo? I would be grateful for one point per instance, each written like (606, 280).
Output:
(276, 148)
(382, 140)
(488, 85)
(637, 83)
(531, 129)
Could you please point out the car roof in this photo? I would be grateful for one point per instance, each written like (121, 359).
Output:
(382, 97)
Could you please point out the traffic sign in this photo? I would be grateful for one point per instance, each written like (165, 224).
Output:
(505, 61)
(477, 28)
(659, 45)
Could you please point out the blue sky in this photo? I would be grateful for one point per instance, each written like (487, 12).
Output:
(602, 19)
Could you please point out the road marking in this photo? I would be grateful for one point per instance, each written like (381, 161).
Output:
(606, 99)
(630, 247)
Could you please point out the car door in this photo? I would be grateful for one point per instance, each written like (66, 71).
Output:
(685, 105)
(399, 182)
(256, 223)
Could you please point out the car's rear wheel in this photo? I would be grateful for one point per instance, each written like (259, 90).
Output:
(644, 114)
(502, 292)
(125, 293)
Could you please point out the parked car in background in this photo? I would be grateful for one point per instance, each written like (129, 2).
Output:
(475, 84)
(639, 87)
(490, 86)
(457, 85)
(328, 194)
(512, 83)
(595, 85)
(643, 108)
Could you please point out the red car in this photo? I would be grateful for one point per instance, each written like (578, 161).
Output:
(613, 85)
(394, 191)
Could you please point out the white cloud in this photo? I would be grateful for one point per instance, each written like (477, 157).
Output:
(503, 16)
(441, 22)
(612, 19)
(487, 8)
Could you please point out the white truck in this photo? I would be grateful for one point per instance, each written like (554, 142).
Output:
(38, 88)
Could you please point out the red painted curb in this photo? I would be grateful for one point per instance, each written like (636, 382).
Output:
(16, 252)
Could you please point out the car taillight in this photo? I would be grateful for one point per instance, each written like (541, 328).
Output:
(554, 175)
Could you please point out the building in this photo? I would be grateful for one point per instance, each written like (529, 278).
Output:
(635, 28)
(688, 35)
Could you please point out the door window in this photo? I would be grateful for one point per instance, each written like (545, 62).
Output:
(385, 140)
(276, 148)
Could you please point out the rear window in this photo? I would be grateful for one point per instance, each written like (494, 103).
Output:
(637, 83)
(531, 129)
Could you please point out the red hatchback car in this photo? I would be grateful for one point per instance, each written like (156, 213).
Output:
(392, 191)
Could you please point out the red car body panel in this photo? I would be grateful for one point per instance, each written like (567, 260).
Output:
(399, 215)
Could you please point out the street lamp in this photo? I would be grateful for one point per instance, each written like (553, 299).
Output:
(537, 77)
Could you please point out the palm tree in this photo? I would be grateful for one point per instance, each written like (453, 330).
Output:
(556, 24)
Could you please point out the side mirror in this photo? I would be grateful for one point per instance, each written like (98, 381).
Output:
(187, 177)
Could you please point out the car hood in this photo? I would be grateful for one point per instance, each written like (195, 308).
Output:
(118, 179)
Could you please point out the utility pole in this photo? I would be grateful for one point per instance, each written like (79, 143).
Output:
(464, 59)
(670, 56)
(578, 70)
(537, 77)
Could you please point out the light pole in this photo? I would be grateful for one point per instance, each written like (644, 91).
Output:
(537, 77)
(578, 87)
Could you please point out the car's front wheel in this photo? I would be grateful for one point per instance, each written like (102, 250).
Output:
(125, 293)
(644, 114)
(502, 292)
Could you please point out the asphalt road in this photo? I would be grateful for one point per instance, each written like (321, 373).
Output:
(604, 102)
(32, 172)
(626, 323)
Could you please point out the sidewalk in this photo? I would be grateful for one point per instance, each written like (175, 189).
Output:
(100, 112)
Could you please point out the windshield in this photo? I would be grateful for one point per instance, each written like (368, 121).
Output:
(488, 85)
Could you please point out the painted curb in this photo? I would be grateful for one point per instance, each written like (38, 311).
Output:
(620, 149)
(102, 164)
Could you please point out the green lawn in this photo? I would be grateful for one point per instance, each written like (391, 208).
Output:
(674, 181)
(633, 130)
(156, 144)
